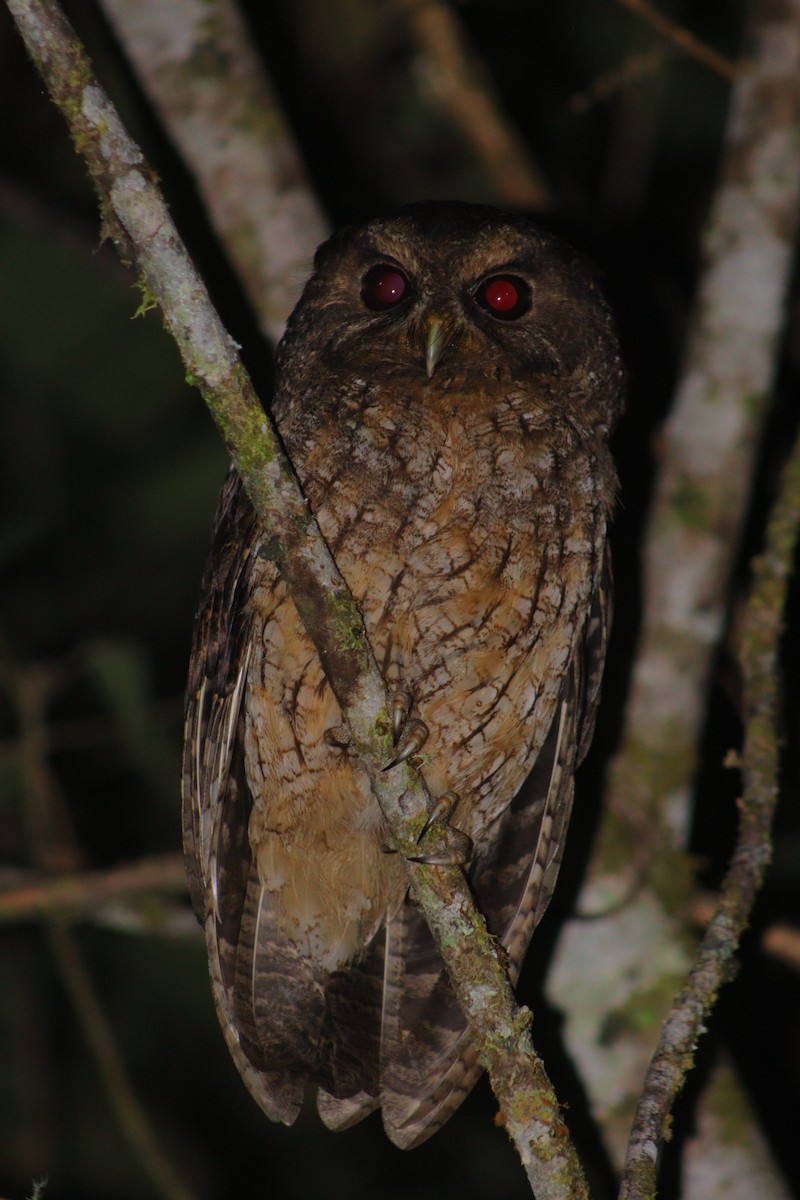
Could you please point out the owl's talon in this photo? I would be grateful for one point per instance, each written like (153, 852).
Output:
(337, 737)
(401, 707)
(413, 738)
(442, 810)
(456, 849)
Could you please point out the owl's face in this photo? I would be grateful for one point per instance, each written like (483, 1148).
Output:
(458, 294)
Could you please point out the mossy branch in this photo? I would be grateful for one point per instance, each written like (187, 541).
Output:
(760, 639)
(201, 72)
(136, 218)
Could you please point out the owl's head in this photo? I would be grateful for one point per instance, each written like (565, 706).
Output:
(460, 294)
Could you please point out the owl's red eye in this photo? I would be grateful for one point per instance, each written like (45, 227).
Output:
(504, 296)
(384, 286)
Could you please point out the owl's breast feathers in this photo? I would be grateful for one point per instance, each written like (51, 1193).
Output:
(472, 538)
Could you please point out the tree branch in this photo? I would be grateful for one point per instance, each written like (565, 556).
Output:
(709, 445)
(130, 1114)
(760, 637)
(137, 220)
(80, 894)
(47, 814)
(196, 62)
(707, 453)
(455, 78)
(684, 39)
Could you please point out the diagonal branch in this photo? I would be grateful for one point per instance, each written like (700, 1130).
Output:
(760, 638)
(130, 1114)
(684, 39)
(198, 65)
(139, 223)
(43, 798)
(709, 445)
(455, 78)
(706, 459)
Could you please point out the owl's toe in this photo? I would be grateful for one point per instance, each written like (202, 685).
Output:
(410, 735)
(337, 737)
(447, 846)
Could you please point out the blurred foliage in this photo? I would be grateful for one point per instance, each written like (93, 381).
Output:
(108, 473)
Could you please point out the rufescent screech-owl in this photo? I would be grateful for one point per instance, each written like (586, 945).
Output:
(445, 388)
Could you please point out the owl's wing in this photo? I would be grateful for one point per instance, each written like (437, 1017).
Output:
(428, 1065)
(223, 880)
(283, 1018)
(217, 675)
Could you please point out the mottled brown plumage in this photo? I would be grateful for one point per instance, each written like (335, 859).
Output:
(445, 389)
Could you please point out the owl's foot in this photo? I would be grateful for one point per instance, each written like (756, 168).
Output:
(451, 847)
(409, 735)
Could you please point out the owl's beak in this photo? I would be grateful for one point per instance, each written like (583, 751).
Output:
(437, 334)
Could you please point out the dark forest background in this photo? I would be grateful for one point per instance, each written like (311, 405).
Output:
(109, 470)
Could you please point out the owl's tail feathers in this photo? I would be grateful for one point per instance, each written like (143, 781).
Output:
(342, 1114)
(347, 1067)
(286, 1019)
(232, 903)
(279, 1094)
(410, 1119)
(428, 1065)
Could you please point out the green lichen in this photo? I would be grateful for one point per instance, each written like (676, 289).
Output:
(349, 627)
(147, 303)
(208, 59)
(728, 1104)
(753, 405)
(690, 504)
(643, 1011)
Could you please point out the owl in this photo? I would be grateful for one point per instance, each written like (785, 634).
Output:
(445, 389)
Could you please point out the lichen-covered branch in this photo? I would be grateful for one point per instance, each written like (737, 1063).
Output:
(706, 457)
(760, 637)
(136, 218)
(196, 62)
(708, 448)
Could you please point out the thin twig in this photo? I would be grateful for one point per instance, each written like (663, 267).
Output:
(783, 943)
(636, 68)
(129, 1113)
(138, 221)
(49, 823)
(456, 80)
(43, 797)
(684, 39)
(706, 457)
(72, 895)
(760, 638)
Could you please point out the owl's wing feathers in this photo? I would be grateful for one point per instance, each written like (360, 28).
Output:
(283, 1019)
(223, 880)
(218, 672)
(428, 1062)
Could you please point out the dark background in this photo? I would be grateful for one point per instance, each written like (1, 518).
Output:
(109, 469)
